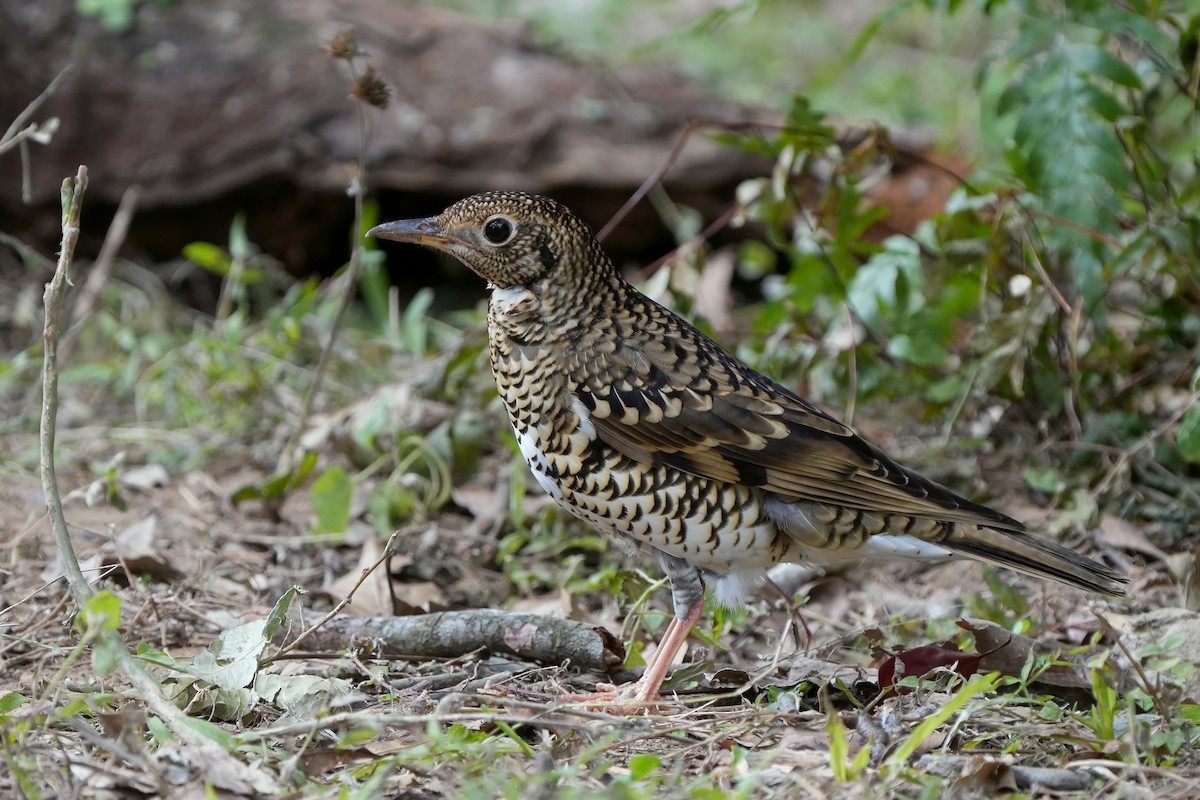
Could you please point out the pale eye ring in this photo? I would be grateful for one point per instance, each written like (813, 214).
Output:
(498, 230)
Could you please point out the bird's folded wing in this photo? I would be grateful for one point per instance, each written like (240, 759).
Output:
(731, 424)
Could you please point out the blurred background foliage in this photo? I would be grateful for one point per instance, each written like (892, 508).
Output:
(1059, 288)
(1050, 308)
(906, 63)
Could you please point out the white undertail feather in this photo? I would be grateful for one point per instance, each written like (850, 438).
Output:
(731, 589)
(887, 546)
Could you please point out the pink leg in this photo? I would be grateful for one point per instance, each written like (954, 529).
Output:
(656, 671)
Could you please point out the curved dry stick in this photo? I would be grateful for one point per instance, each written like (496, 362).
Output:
(52, 299)
(649, 183)
(143, 681)
(333, 612)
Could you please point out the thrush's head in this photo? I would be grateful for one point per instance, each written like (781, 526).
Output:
(508, 238)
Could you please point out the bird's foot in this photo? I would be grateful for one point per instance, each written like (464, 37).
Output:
(635, 698)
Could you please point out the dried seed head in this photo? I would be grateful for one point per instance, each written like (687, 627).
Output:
(371, 89)
(344, 45)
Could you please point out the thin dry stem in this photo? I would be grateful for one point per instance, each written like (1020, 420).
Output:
(349, 278)
(352, 719)
(1045, 276)
(710, 229)
(651, 181)
(852, 356)
(692, 126)
(333, 612)
(1136, 663)
(1150, 438)
(72, 200)
(19, 137)
(31, 109)
(1075, 390)
(97, 277)
(81, 591)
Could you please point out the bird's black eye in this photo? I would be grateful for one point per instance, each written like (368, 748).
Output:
(498, 230)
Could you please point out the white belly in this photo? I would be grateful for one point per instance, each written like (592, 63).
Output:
(538, 465)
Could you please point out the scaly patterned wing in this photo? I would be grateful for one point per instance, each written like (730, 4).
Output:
(681, 402)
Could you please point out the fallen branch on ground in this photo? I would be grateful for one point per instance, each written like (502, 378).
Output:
(450, 634)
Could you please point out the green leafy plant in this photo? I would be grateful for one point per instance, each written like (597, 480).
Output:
(845, 769)
(1067, 263)
(240, 266)
(331, 494)
(115, 15)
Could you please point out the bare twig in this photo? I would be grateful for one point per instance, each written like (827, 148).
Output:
(1062, 222)
(852, 357)
(72, 200)
(16, 136)
(113, 240)
(333, 612)
(692, 126)
(693, 243)
(1041, 270)
(19, 139)
(1074, 391)
(81, 592)
(651, 181)
(352, 719)
(89, 295)
(32, 108)
(358, 189)
(1141, 444)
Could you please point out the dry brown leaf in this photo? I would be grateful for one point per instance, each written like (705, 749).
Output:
(484, 503)
(420, 597)
(1124, 535)
(1007, 652)
(982, 777)
(379, 595)
(1186, 569)
(802, 668)
(373, 598)
(137, 541)
(922, 660)
(364, 429)
(230, 591)
(137, 549)
(1176, 625)
(389, 744)
(558, 603)
(932, 742)
(93, 568)
(110, 780)
(211, 764)
(126, 726)
(320, 762)
(712, 299)
(800, 748)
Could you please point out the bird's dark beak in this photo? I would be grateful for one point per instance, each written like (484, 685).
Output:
(416, 231)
